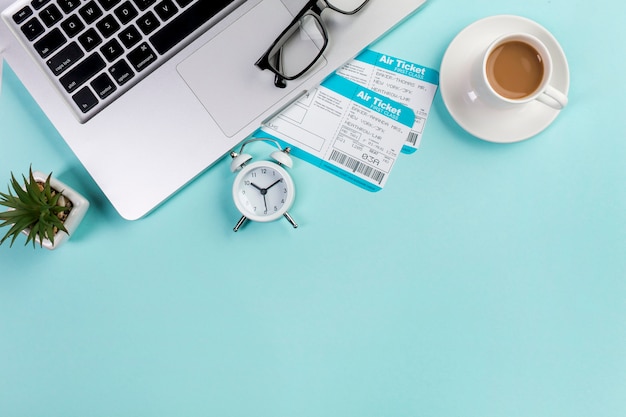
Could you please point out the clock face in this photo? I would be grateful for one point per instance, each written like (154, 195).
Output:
(263, 191)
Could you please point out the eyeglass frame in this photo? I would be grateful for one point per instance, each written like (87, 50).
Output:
(313, 9)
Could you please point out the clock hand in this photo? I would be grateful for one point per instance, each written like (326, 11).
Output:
(264, 190)
(263, 193)
(277, 181)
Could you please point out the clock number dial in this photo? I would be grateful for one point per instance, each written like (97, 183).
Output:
(263, 191)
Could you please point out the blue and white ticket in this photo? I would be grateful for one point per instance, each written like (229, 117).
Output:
(346, 129)
(405, 82)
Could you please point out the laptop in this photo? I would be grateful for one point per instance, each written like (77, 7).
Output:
(150, 93)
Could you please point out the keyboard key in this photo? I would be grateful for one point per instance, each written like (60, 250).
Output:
(24, 13)
(141, 57)
(97, 49)
(126, 12)
(108, 4)
(90, 39)
(68, 5)
(51, 15)
(166, 9)
(112, 50)
(90, 12)
(73, 25)
(121, 72)
(50, 43)
(148, 23)
(85, 99)
(108, 26)
(130, 36)
(186, 23)
(38, 4)
(65, 58)
(103, 86)
(82, 72)
(144, 4)
(32, 29)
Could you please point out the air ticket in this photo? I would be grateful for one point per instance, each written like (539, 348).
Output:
(403, 81)
(346, 129)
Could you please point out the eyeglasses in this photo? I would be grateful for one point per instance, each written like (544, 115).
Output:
(303, 42)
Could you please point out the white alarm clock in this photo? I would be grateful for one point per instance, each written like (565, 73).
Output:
(263, 191)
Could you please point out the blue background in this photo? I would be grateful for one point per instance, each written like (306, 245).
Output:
(484, 280)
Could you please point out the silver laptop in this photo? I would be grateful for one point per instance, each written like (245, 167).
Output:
(150, 93)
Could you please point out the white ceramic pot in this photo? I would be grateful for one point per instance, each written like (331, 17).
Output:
(75, 216)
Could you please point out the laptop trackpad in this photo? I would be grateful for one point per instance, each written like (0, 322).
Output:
(222, 73)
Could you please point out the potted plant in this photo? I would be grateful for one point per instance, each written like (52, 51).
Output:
(44, 209)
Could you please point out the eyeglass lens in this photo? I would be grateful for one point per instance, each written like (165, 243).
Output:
(299, 47)
(303, 42)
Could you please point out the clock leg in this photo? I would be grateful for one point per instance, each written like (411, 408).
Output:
(240, 223)
(290, 220)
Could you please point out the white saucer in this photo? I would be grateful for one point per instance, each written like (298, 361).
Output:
(476, 117)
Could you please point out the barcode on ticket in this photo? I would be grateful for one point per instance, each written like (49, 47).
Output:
(357, 166)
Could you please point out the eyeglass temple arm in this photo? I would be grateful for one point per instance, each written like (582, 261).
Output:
(351, 12)
(278, 80)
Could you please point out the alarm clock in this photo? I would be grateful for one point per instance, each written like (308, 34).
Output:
(263, 191)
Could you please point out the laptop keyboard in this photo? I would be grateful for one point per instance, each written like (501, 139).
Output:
(95, 50)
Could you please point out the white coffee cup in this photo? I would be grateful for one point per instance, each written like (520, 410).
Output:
(515, 70)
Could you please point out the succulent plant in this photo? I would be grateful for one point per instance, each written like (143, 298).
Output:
(35, 208)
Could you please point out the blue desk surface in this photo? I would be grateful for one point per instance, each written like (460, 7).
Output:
(484, 280)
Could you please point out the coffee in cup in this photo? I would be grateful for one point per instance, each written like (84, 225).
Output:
(517, 69)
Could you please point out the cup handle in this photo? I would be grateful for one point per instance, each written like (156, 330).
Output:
(553, 98)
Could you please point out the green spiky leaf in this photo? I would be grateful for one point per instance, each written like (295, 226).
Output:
(33, 207)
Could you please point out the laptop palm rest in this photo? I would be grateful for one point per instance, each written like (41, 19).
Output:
(222, 74)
